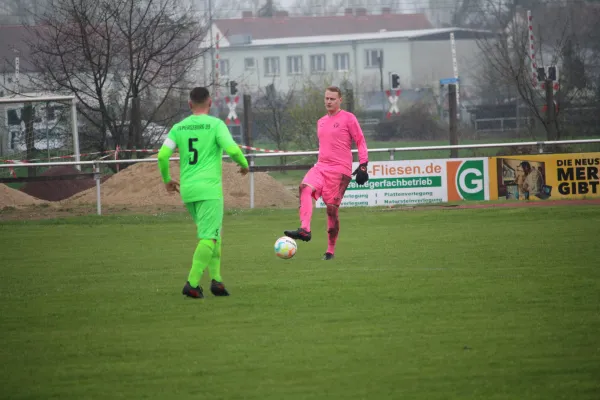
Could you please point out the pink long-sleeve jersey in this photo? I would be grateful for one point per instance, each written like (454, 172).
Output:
(336, 134)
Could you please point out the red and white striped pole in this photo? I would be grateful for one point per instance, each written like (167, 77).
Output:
(532, 49)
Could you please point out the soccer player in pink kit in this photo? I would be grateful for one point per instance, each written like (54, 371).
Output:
(330, 176)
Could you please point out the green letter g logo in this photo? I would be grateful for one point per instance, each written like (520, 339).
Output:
(470, 180)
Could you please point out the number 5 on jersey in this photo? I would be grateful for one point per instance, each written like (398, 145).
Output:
(193, 151)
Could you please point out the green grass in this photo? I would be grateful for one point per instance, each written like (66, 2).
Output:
(436, 304)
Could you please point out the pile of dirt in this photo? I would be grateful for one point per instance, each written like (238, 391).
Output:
(141, 185)
(59, 189)
(10, 197)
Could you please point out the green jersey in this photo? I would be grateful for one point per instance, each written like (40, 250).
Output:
(201, 140)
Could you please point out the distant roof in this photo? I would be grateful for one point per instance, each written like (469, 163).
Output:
(408, 35)
(284, 26)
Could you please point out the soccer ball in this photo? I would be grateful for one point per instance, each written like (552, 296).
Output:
(285, 247)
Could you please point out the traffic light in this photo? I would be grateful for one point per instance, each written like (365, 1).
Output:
(233, 87)
(552, 73)
(541, 74)
(547, 73)
(395, 81)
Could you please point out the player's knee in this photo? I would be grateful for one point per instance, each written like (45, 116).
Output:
(332, 210)
(211, 243)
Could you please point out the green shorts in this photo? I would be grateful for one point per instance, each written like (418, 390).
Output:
(208, 216)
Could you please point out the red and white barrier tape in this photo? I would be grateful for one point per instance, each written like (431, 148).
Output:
(11, 169)
(57, 157)
(261, 150)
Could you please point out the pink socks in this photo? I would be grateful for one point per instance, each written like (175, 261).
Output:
(333, 228)
(306, 207)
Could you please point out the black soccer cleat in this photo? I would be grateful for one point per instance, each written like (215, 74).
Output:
(218, 289)
(299, 234)
(195, 293)
(327, 256)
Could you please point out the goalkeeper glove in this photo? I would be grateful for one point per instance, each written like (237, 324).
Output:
(362, 176)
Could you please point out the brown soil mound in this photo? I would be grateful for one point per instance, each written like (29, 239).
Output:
(10, 197)
(140, 185)
(58, 190)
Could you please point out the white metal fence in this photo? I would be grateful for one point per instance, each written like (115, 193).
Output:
(251, 157)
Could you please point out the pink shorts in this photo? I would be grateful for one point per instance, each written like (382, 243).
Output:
(328, 184)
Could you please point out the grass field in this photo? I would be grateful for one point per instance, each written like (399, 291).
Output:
(428, 304)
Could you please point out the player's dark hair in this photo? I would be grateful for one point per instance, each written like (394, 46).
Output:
(199, 95)
(334, 89)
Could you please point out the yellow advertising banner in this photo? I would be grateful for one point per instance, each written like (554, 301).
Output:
(541, 176)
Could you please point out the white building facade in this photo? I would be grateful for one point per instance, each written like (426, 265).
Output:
(421, 58)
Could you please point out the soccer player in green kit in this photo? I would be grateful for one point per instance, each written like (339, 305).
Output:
(201, 139)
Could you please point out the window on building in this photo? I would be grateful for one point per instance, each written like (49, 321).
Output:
(341, 61)
(372, 58)
(317, 63)
(294, 65)
(224, 67)
(271, 66)
(248, 63)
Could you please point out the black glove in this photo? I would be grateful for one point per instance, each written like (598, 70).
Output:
(362, 176)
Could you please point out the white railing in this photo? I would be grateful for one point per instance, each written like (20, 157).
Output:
(251, 157)
(501, 122)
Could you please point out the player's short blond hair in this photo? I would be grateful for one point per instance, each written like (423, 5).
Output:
(334, 89)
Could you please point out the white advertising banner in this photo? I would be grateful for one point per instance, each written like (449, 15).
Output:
(418, 182)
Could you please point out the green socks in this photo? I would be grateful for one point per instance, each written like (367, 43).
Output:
(214, 267)
(207, 253)
(202, 257)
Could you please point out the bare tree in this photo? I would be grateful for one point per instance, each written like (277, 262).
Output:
(336, 7)
(114, 55)
(317, 7)
(559, 39)
(272, 116)
(219, 9)
(290, 118)
(305, 113)
(460, 13)
(19, 11)
(482, 14)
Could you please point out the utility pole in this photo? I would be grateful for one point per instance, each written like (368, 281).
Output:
(212, 43)
(17, 73)
(247, 121)
(455, 68)
(452, 106)
(550, 110)
(517, 115)
(380, 60)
